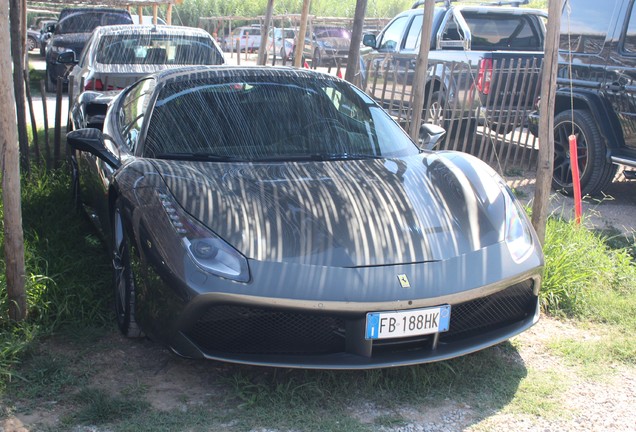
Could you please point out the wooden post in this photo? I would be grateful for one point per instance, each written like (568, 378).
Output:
(140, 13)
(17, 54)
(300, 42)
(169, 15)
(57, 134)
(34, 126)
(546, 121)
(47, 148)
(262, 50)
(155, 9)
(421, 69)
(9, 155)
(353, 58)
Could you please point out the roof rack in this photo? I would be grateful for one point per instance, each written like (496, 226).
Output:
(513, 3)
(419, 3)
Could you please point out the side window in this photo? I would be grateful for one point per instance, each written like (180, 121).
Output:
(392, 36)
(415, 33)
(629, 42)
(585, 23)
(132, 110)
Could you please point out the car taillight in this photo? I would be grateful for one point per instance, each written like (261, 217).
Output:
(484, 76)
(94, 84)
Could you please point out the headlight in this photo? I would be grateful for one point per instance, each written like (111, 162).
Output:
(518, 236)
(210, 252)
(58, 49)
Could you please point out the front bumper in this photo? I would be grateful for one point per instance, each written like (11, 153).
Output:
(295, 318)
(262, 335)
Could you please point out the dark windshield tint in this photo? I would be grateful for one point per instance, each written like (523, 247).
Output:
(87, 22)
(153, 48)
(271, 118)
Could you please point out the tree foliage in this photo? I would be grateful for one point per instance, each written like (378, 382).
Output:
(190, 11)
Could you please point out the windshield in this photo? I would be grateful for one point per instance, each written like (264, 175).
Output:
(153, 48)
(271, 118)
(88, 21)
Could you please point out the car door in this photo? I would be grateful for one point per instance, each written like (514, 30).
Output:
(121, 136)
(620, 77)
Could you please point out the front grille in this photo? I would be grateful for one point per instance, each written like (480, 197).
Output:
(244, 330)
(235, 329)
(499, 309)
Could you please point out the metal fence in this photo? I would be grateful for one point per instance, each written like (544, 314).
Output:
(484, 108)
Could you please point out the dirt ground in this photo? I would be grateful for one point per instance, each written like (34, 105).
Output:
(172, 383)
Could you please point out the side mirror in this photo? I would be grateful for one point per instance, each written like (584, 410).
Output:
(369, 40)
(50, 28)
(67, 57)
(91, 141)
(430, 136)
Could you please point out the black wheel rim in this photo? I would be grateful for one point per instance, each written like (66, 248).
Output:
(562, 174)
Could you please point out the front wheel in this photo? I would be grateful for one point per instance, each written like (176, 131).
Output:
(123, 279)
(595, 171)
(31, 44)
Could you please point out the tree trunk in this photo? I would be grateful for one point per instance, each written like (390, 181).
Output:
(262, 49)
(421, 67)
(300, 39)
(17, 53)
(546, 121)
(10, 168)
(353, 59)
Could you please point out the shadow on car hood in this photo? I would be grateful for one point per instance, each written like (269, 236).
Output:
(349, 213)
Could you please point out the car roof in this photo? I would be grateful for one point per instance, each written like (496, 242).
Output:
(210, 72)
(134, 29)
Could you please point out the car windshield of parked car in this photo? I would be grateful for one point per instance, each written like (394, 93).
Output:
(153, 48)
(87, 22)
(270, 118)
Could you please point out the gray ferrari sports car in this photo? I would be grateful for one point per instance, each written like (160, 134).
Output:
(278, 216)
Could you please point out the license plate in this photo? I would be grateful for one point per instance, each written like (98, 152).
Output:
(414, 322)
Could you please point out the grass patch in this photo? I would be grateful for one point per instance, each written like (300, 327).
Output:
(59, 248)
(96, 407)
(581, 270)
(540, 394)
(597, 354)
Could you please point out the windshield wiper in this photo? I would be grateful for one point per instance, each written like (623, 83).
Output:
(204, 157)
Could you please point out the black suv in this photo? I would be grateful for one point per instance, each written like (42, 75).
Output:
(596, 97)
(72, 32)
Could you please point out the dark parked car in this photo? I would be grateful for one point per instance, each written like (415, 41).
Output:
(71, 33)
(596, 98)
(325, 240)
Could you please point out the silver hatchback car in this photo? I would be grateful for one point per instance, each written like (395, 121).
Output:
(117, 56)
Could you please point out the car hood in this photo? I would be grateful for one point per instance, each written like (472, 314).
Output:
(342, 213)
(335, 42)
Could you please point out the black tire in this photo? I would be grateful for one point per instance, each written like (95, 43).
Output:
(317, 59)
(123, 279)
(595, 171)
(31, 44)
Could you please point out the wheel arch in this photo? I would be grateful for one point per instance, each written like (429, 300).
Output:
(608, 124)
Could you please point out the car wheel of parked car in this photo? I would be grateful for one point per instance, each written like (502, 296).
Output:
(596, 172)
(123, 278)
(31, 43)
(317, 59)
(435, 113)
